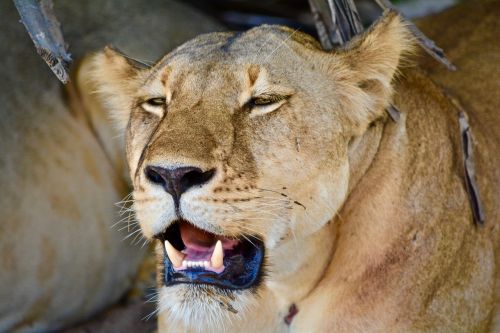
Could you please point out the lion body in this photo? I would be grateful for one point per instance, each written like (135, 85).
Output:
(379, 234)
(428, 268)
(60, 259)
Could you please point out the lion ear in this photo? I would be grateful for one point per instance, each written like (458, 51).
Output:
(373, 59)
(115, 79)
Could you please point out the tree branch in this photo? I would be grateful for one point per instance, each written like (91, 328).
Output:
(45, 31)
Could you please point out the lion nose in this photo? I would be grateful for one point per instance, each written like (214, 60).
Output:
(178, 180)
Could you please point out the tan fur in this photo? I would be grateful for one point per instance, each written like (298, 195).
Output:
(61, 169)
(366, 222)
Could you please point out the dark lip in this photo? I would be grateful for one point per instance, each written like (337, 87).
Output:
(244, 264)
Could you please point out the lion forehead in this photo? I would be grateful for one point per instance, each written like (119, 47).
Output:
(257, 45)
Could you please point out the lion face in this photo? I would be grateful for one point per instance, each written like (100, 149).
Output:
(237, 145)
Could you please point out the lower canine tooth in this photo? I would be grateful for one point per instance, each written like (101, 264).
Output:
(217, 259)
(175, 256)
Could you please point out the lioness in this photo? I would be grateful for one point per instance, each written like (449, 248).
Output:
(284, 199)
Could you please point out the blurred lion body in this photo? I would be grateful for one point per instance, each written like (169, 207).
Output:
(60, 171)
(402, 253)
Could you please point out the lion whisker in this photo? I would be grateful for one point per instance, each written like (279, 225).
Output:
(283, 195)
(153, 299)
(149, 316)
(127, 219)
(126, 198)
(249, 241)
(281, 44)
(126, 210)
(261, 47)
(145, 242)
(271, 206)
(132, 224)
(137, 239)
(131, 234)
(124, 201)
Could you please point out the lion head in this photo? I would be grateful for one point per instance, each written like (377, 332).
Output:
(240, 148)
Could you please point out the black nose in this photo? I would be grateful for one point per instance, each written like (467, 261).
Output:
(179, 180)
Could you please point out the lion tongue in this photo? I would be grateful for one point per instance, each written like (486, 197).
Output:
(201, 243)
(196, 239)
(202, 249)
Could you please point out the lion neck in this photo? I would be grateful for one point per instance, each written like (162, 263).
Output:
(295, 281)
(362, 152)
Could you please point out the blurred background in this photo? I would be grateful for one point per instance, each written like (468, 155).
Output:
(244, 14)
(72, 257)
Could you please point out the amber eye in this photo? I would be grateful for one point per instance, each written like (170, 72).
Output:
(155, 105)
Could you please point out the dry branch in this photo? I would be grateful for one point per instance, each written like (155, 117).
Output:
(45, 31)
(337, 21)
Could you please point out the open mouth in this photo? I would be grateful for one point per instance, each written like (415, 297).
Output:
(193, 255)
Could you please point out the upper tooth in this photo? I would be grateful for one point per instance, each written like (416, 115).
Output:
(217, 259)
(176, 257)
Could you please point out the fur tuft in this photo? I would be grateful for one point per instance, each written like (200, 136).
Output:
(368, 64)
(115, 79)
(203, 308)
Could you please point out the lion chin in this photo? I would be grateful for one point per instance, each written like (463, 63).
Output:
(205, 308)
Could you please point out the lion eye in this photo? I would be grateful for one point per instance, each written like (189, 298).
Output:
(266, 100)
(157, 101)
(261, 105)
(155, 105)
